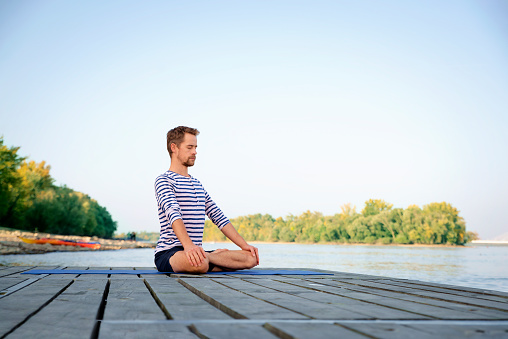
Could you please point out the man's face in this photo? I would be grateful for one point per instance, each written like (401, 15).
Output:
(186, 153)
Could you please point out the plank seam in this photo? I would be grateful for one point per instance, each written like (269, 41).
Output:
(355, 330)
(212, 301)
(429, 297)
(422, 287)
(277, 331)
(21, 270)
(39, 309)
(445, 286)
(19, 286)
(158, 301)
(194, 330)
(399, 298)
(365, 301)
(100, 312)
(267, 301)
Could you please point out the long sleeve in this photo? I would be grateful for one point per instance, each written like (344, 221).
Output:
(214, 213)
(166, 199)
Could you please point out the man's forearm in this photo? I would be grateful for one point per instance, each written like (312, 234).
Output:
(195, 254)
(181, 233)
(233, 235)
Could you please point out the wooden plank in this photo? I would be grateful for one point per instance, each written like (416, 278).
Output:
(468, 312)
(123, 276)
(64, 276)
(8, 282)
(70, 315)
(145, 268)
(11, 270)
(443, 296)
(308, 303)
(311, 331)
(129, 299)
(345, 275)
(152, 276)
(338, 299)
(20, 286)
(237, 304)
(124, 330)
(104, 277)
(454, 287)
(178, 302)
(388, 331)
(454, 291)
(428, 331)
(231, 330)
(414, 292)
(19, 275)
(17, 307)
(307, 307)
(426, 310)
(463, 331)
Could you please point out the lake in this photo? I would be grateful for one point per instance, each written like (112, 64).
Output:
(477, 266)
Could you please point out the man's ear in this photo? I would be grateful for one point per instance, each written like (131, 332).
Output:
(174, 148)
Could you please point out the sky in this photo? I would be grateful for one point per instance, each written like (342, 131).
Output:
(301, 105)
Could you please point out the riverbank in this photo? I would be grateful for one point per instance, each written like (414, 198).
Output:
(10, 243)
(344, 244)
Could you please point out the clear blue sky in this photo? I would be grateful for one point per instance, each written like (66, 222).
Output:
(302, 105)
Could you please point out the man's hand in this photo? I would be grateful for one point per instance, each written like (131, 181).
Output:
(253, 250)
(195, 254)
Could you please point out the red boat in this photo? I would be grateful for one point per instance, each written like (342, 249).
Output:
(92, 245)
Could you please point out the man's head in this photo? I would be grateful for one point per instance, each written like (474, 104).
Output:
(182, 144)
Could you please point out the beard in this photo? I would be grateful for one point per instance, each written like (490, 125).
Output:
(189, 162)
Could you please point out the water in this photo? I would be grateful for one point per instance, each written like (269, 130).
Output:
(477, 266)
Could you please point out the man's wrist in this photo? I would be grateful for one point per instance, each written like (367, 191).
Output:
(188, 245)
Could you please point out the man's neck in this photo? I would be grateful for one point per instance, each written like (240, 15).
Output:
(180, 169)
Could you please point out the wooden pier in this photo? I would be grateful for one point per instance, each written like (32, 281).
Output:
(342, 305)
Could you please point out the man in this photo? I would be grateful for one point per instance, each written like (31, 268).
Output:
(182, 204)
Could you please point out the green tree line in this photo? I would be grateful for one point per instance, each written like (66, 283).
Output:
(377, 223)
(29, 200)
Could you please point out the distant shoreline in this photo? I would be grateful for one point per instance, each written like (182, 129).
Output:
(337, 243)
(10, 243)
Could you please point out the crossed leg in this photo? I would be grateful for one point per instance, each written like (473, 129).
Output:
(224, 260)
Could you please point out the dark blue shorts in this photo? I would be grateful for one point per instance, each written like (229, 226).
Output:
(162, 259)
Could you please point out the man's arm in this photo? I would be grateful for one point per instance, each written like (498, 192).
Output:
(233, 235)
(195, 254)
(218, 218)
(166, 198)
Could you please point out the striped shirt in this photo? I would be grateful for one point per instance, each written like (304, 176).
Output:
(181, 197)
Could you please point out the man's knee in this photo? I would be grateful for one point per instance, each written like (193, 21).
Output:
(250, 260)
(203, 268)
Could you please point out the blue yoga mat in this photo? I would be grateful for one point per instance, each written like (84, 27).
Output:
(249, 272)
(273, 272)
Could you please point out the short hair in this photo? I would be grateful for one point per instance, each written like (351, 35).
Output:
(176, 135)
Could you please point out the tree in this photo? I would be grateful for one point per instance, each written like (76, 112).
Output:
(375, 206)
(436, 223)
(30, 200)
(9, 179)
